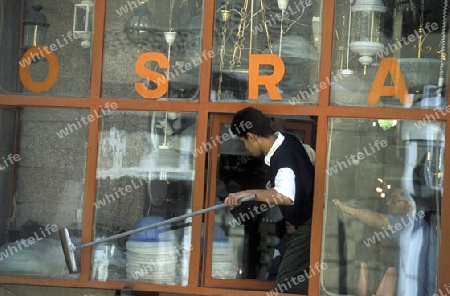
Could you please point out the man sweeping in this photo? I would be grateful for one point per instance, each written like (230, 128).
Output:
(290, 177)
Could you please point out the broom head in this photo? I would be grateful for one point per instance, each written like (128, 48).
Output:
(69, 250)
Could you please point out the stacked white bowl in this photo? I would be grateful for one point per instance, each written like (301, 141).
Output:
(223, 259)
(153, 255)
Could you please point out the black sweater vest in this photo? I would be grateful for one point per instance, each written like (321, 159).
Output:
(291, 154)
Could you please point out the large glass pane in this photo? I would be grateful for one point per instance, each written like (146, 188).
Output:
(46, 192)
(51, 56)
(145, 175)
(245, 29)
(247, 241)
(390, 54)
(147, 42)
(383, 199)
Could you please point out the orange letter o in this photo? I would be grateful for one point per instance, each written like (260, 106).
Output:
(53, 69)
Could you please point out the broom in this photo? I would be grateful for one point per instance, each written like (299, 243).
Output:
(69, 248)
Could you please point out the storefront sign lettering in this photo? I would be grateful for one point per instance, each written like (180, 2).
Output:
(399, 89)
(53, 70)
(158, 78)
(387, 66)
(270, 81)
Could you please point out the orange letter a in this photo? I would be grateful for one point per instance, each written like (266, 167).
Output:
(399, 88)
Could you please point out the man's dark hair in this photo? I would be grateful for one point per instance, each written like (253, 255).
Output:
(254, 121)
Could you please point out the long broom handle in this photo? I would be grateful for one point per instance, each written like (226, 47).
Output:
(168, 221)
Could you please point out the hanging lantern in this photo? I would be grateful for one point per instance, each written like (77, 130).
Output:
(282, 4)
(367, 25)
(82, 21)
(35, 28)
(138, 26)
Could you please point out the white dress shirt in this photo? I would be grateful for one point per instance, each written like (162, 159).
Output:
(285, 178)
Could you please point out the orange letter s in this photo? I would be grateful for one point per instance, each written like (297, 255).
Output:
(143, 72)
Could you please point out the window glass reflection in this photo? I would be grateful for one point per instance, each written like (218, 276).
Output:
(289, 30)
(145, 175)
(153, 49)
(384, 191)
(390, 53)
(42, 171)
(46, 49)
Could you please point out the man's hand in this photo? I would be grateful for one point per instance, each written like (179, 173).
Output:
(344, 208)
(368, 217)
(233, 199)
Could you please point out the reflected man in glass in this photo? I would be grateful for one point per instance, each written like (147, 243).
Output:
(412, 269)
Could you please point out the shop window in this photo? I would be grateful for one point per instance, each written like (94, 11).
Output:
(43, 52)
(289, 31)
(145, 175)
(383, 206)
(153, 49)
(390, 54)
(43, 163)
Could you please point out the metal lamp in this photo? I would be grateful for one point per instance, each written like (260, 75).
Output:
(35, 28)
(138, 26)
(282, 4)
(82, 21)
(366, 27)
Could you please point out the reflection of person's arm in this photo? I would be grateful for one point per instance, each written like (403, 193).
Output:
(366, 216)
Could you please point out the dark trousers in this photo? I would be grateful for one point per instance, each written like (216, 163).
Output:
(293, 273)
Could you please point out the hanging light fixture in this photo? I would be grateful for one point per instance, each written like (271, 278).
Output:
(433, 96)
(82, 21)
(170, 38)
(35, 28)
(138, 26)
(367, 24)
(347, 87)
(282, 5)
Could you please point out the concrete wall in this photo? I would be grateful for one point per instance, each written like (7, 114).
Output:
(74, 60)
(51, 173)
(9, 51)
(7, 119)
